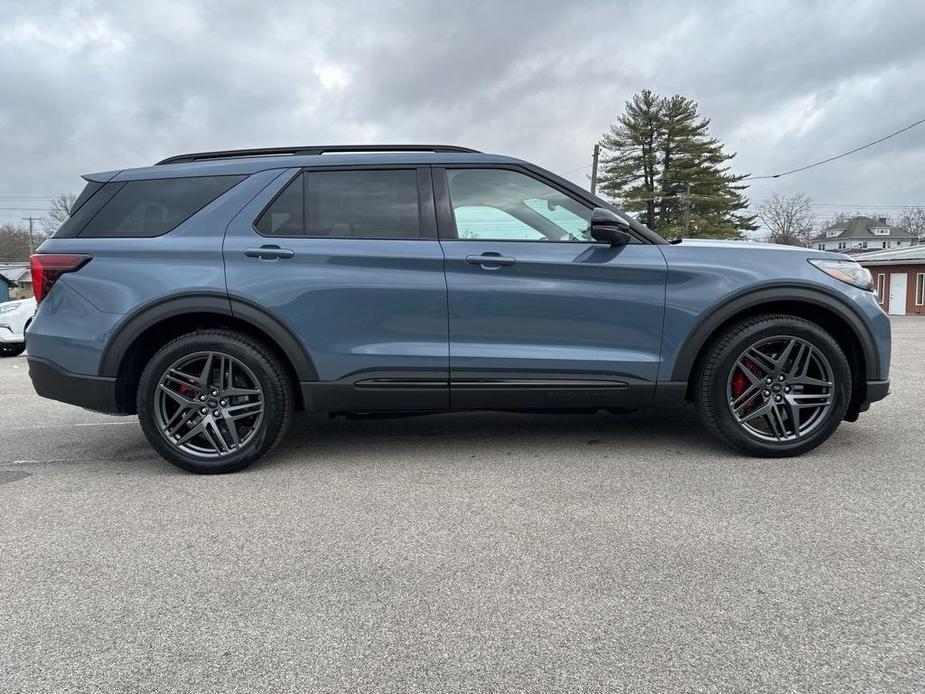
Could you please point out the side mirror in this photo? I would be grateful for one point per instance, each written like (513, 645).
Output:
(606, 227)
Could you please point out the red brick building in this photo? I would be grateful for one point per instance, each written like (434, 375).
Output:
(899, 277)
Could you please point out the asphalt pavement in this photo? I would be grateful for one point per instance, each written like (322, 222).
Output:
(465, 553)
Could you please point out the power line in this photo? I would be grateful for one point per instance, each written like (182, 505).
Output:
(586, 166)
(837, 156)
(862, 205)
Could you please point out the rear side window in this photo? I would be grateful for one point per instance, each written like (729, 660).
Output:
(347, 204)
(286, 214)
(153, 207)
(85, 194)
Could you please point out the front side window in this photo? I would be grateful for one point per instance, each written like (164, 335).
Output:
(153, 207)
(504, 205)
(346, 204)
(920, 289)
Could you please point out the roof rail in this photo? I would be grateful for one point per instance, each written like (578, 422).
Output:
(307, 150)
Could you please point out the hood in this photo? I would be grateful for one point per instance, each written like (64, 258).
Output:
(752, 245)
(18, 302)
(722, 243)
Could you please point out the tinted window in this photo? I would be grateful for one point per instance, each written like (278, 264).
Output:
(346, 204)
(82, 214)
(364, 204)
(86, 194)
(285, 216)
(503, 205)
(154, 207)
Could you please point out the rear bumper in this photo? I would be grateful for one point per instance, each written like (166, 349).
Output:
(93, 392)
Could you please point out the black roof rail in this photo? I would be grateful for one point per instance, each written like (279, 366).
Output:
(307, 150)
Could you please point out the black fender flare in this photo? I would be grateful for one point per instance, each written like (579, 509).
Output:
(217, 303)
(807, 294)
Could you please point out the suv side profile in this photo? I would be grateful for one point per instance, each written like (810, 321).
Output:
(214, 293)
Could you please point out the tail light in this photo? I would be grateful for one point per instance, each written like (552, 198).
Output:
(48, 267)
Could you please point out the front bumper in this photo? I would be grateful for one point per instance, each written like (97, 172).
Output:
(874, 391)
(93, 392)
(8, 337)
(877, 390)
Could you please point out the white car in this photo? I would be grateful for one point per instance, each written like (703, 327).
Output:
(14, 317)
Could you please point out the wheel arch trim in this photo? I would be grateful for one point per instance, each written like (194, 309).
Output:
(752, 298)
(149, 315)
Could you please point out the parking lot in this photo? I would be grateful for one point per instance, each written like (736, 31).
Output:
(473, 552)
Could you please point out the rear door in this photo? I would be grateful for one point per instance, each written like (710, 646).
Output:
(347, 259)
(540, 316)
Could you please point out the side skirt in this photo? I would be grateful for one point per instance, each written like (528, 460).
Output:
(410, 394)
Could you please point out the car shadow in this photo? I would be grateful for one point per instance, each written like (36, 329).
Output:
(455, 435)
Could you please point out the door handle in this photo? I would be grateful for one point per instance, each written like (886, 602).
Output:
(490, 260)
(269, 252)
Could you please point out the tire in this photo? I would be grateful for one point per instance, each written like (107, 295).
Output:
(13, 349)
(797, 409)
(240, 410)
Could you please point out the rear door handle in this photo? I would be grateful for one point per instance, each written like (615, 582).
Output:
(490, 260)
(269, 252)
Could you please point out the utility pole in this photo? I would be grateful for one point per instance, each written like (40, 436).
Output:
(687, 211)
(597, 152)
(31, 241)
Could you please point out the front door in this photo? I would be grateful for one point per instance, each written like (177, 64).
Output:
(539, 315)
(347, 259)
(898, 289)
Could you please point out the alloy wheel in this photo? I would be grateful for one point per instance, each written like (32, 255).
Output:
(208, 404)
(780, 389)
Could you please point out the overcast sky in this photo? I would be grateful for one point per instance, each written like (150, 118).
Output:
(91, 86)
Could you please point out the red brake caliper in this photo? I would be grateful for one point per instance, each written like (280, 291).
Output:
(184, 389)
(740, 383)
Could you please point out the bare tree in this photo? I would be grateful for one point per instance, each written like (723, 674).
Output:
(789, 219)
(14, 242)
(912, 219)
(58, 212)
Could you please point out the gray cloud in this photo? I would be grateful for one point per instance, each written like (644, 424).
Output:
(88, 86)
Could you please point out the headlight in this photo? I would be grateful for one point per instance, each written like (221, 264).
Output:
(6, 308)
(847, 271)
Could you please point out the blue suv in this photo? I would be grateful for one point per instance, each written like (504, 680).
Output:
(214, 293)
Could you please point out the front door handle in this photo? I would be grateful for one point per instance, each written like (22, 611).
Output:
(269, 252)
(490, 260)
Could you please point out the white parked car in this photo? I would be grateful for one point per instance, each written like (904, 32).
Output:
(14, 317)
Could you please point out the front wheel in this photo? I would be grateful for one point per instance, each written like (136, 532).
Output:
(214, 401)
(773, 386)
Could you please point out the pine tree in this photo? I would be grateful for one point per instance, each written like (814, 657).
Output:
(661, 164)
(629, 162)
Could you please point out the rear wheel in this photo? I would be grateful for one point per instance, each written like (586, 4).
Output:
(773, 386)
(214, 401)
(12, 349)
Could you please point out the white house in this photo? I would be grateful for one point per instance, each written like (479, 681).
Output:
(861, 234)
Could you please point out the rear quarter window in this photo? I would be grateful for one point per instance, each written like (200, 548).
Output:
(152, 207)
